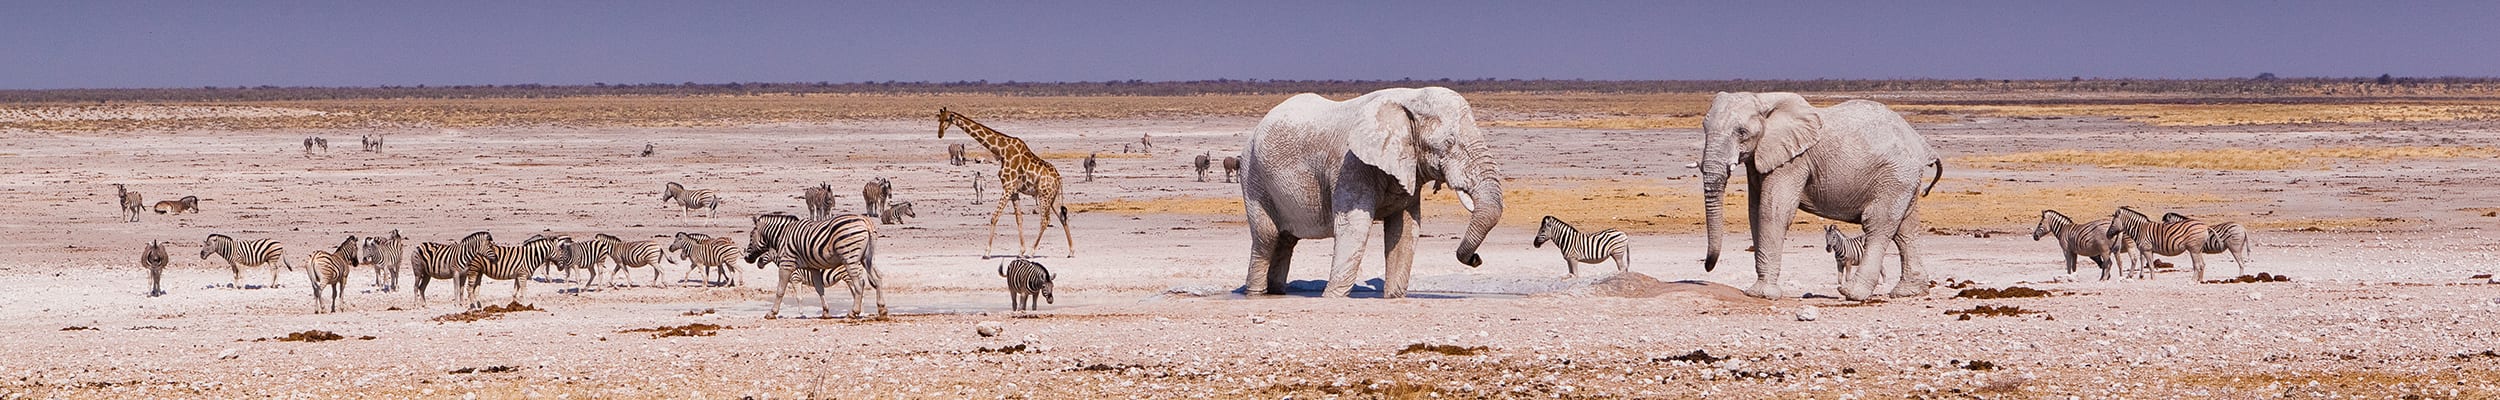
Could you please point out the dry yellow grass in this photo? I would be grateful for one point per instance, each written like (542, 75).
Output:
(2231, 158)
(2241, 114)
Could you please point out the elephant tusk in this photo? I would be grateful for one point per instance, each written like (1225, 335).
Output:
(1467, 201)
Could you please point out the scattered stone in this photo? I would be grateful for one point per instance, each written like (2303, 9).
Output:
(1254, 319)
(989, 328)
(1977, 365)
(1807, 313)
(230, 354)
(315, 335)
(1008, 349)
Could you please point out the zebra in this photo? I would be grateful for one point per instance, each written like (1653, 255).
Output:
(308, 146)
(955, 154)
(131, 204)
(323, 142)
(153, 259)
(446, 262)
(383, 253)
(787, 269)
(1089, 168)
(253, 254)
(976, 187)
(2093, 240)
(649, 149)
(328, 270)
(512, 263)
(819, 200)
(372, 143)
(2177, 234)
(874, 193)
(894, 214)
(1201, 165)
(634, 254)
(1580, 248)
(1025, 280)
(842, 248)
(1232, 168)
(587, 255)
(707, 254)
(1146, 143)
(188, 204)
(690, 199)
(1846, 251)
(546, 272)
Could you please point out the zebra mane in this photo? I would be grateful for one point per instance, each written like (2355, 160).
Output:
(2057, 219)
(2175, 217)
(346, 248)
(606, 238)
(215, 236)
(1566, 226)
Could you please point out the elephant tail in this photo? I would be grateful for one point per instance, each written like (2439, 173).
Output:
(1931, 185)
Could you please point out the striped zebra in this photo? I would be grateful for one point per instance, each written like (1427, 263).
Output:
(587, 255)
(707, 254)
(131, 204)
(875, 193)
(1846, 251)
(2093, 240)
(842, 248)
(253, 254)
(373, 143)
(547, 272)
(634, 254)
(153, 258)
(788, 271)
(328, 270)
(2177, 234)
(446, 262)
(690, 199)
(1089, 170)
(188, 204)
(1588, 248)
(819, 200)
(1201, 164)
(384, 254)
(510, 263)
(1025, 281)
(649, 149)
(894, 213)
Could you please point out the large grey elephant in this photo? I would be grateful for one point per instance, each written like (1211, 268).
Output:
(1317, 169)
(1856, 162)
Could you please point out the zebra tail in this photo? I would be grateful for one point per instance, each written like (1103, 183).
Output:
(1931, 185)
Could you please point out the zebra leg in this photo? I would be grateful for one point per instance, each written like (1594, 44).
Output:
(2070, 263)
(1398, 236)
(421, 278)
(2104, 263)
(1623, 260)
(824, 309)
(2199, 258)
(238, 273)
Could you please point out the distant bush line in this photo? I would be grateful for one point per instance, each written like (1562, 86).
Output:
(2262, 86)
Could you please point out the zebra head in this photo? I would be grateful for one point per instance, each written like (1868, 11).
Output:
(1546, 231)
(214, 245)
(2050, 220)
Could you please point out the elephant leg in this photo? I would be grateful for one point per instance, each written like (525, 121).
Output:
(1773, 198)
(1913, 280)
(1398, 236)
(1353, 231)
(1271, 255)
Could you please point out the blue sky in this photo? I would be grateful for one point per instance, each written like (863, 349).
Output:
(97, 44)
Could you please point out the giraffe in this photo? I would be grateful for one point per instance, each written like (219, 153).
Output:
(1019, 172)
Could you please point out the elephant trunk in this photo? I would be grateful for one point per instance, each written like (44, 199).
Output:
(1713, 192)
(1486, 198)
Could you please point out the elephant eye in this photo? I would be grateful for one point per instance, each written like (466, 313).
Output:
(1741, 131)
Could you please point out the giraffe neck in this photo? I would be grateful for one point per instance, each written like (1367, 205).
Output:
(998, 143)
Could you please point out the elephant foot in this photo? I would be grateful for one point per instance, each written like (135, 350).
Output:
(1910, 289)
(1767, 290)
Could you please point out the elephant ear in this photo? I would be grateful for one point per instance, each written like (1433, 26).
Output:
(1790, 127)
(1387, 141)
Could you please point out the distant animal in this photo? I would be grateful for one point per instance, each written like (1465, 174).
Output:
(819, 200)
(252, 254)
(188, 204)
(153, 259)
(437, 261)
(1025, 281)
(1588, 248)
(2093, 240)
(512, 263)
(328, 271)
(955, 153)
(323, 142)
(874, 194)
(690, 199)
(841, 248)
(894, 213)
(588, 255)
(976, 186)
(1124, 148)
(547, 271)
(1146, 143)
(1201, 165)
(308, 147)
(649, 149)
(634, 254)
(2177, 234)
(707, 254)
(373, 143)
(1232, 168)
(1089, 166)
(131, 204)
(383, 253)
(1020, 172)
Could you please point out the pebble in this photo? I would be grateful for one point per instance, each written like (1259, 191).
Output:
(230, 354)
(1254, 319)
(989, 328)
(1808, 313)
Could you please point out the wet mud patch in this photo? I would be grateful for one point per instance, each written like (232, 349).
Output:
(2260, 277)
(1990, 311)
(490, 312)
(1444, 349)
(687, 330)
(2013, 292)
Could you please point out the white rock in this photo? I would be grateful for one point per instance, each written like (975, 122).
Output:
(1254, 319)
(2256, 296)
(1808, 313)
(230, 354)
(989, 328)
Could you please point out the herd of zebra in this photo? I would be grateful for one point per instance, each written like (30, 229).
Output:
(2107, 242)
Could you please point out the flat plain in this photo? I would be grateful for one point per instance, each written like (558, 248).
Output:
(2376, 208)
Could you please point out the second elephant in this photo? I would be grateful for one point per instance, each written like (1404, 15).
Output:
(1857, 162)
(1318, 169)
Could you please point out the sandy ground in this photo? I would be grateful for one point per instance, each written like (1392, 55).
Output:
(2378, 310)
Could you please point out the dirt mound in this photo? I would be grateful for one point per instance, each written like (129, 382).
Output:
(2260, 277)
(2013, 292)
(688, 330)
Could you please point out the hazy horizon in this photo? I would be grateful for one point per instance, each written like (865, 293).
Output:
(182, 44)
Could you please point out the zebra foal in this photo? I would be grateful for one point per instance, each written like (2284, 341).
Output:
(188, 204)
(384, 254)
(1578, 248)
(1027, 280)
(131, 204)
(707, 254)
(686, 199)
(634, 254)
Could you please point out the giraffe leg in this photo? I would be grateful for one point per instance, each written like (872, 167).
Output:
(1021, 250)
(1004, 202)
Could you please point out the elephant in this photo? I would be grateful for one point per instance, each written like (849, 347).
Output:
(1856, 162)
(1318, 169)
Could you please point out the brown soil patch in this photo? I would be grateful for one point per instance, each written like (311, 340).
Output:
(2014, 292)
(1697, 356)
(2260, 277)
(1009, 349)
(1990, 311)
(687, 330)
(315, 335)
(486, 370)
(80, 328)
(490, 312)
(1451, 350)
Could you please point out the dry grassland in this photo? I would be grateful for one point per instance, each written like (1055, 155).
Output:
(2232, 158)
(2239, 114)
